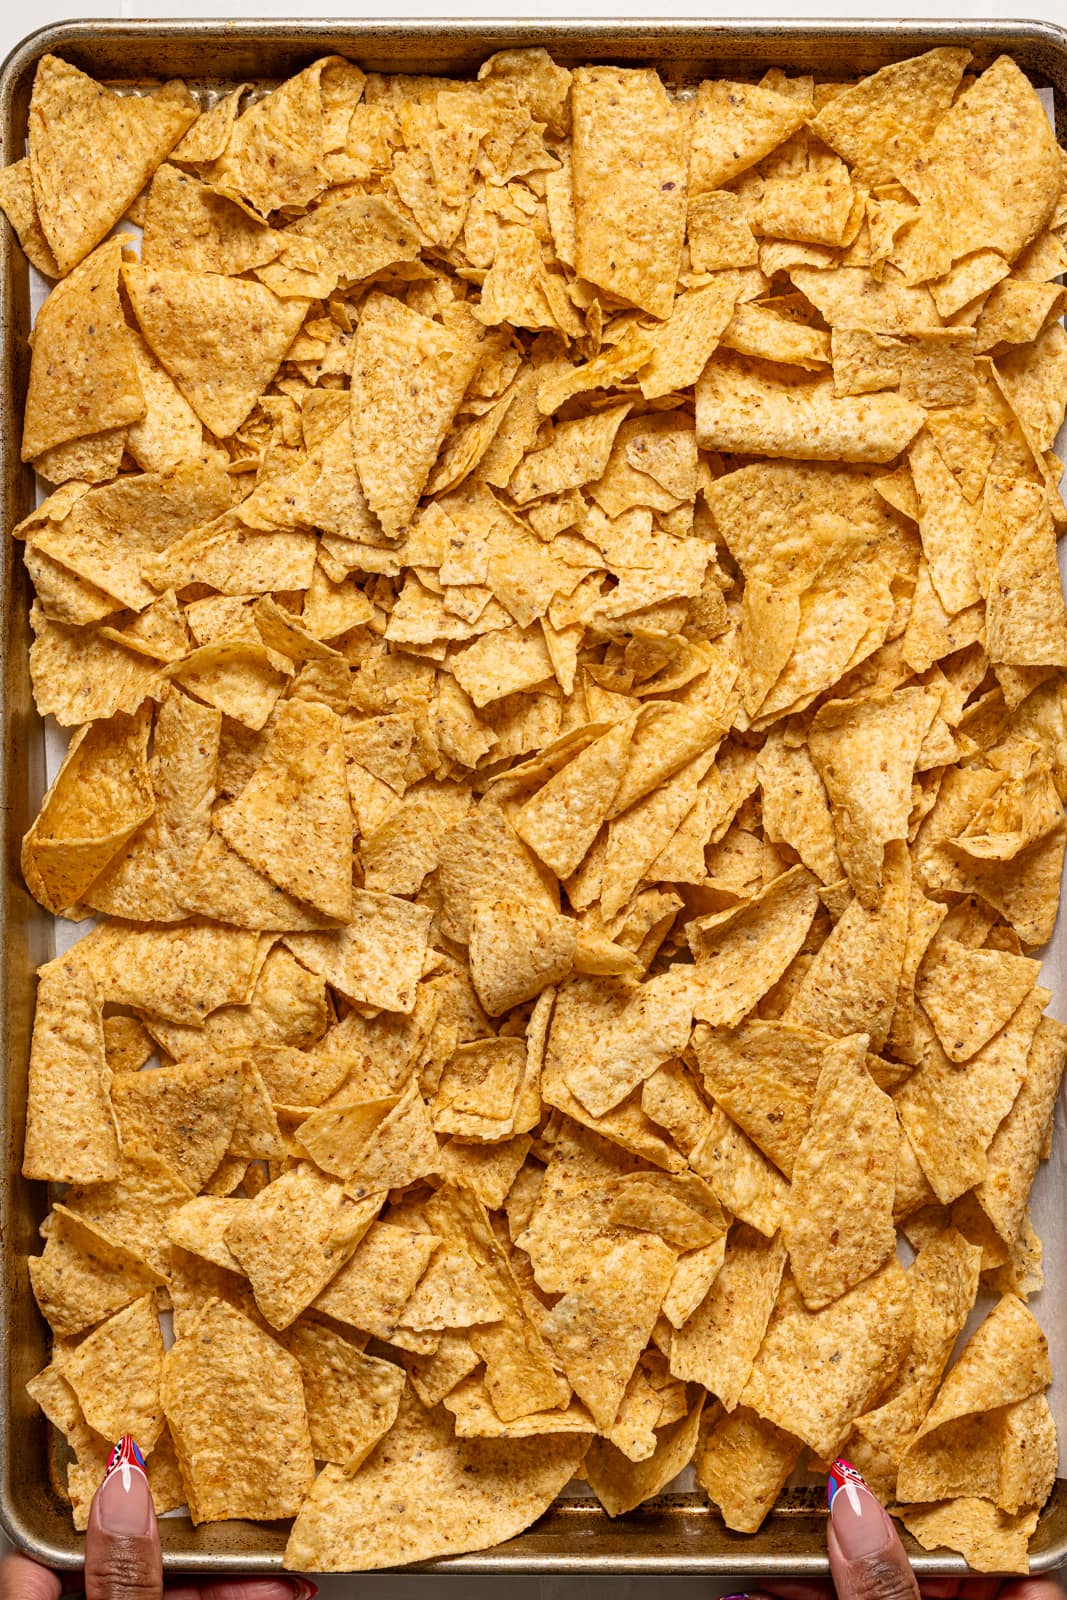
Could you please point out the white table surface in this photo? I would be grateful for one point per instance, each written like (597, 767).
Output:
(14, 22)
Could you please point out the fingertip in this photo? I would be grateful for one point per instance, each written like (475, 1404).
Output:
(21, 1578)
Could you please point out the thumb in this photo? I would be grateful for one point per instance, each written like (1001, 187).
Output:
(123, 1560)
(867, 1560)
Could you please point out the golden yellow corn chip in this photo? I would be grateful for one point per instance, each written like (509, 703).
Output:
(813, 1374)
(630, 212)
(372, 1289)
(197, 326)
(718, 233)
(951, 1114)
(764, 1075)
(865, 753)
(718, 1344)
(116, 1372)
(352, 1399)
(745, 1181)
(734, 126)
(747, 410)
(969, 995)
(1016, 1147)
(838, 1224)
(135, 1206)
(741, 952)
(398, 426)
(743, 1461)
(70, 1127)
(620, 1484)
(18, 201)
(256, 1461)
(471, 1493)
(199, 1227)
(185, 1113)
(681, 348)
(191, 226)
(881, 123)
(83, 375)
(989, 1539)
(84, 1274)
(79, 199)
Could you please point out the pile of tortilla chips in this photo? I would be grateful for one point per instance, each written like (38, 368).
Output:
(553, 591)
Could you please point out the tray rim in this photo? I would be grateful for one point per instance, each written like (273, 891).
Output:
(654, 1550)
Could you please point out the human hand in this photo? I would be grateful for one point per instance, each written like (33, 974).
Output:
(123, 1559)
(868, 1561)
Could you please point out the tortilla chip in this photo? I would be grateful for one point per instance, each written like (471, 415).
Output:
(377, 959)
(838, 1225)
(256, 1462)
(128, 135)
(84, 1275)
(116, 1372)
(71, 1135)
(682, 347)
(851, 986)
(294, 1237)
(396, 439)
(734, 126)
(951, 1115)
(18, 201)
(764, 1075)
(145, 883)
(561, 820)
(83, 375)
(959, 170)
(969, 995)
(352, 1399)
(473, 1493)
(185, 1113)
(197, 326)
(989, 1539)
(620, 1484)
(741, 409)
(744, 1180)
(741, 952)
(630, 214)
(520, 1374)
(812, 1376)
(598, 1332)
(881, 123)
(742, 1462)
(199, 1227)
(1014, 1152)
(192, 227)
(301, 778)
(717, 1345)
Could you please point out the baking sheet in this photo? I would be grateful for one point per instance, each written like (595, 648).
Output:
(1050, 1189)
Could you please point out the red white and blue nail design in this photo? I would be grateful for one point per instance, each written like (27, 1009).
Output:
(124, 1458)
(843, 1475)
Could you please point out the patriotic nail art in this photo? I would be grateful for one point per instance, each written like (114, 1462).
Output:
(123, 1457)
(843, 1472)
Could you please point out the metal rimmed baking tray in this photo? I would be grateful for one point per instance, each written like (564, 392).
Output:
(676, 1533)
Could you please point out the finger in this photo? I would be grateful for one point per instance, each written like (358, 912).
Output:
(260, 1589)
(986, 1589)
(867, 1559)
(1029, 1589)
(940, 1588)
(123, 1560)
(23, 1579)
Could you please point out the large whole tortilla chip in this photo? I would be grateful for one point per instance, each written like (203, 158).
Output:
(881, 123)
(221, 339)
(83, 372)
(630, 209)
(92, 151)
(734, 126)
(255, 1460)
(743, 1461)
(425, 1493)
(408, 378)
(71, 1135)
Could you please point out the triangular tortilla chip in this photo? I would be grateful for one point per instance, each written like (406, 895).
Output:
(100, 797)
(969, 995)
(352, 1399)
(185, 1113)
(409, 375)
(116, 1373)
(293, 820)
(71, 1135)
(881, 123)
(865, 752)
(83, 374)
(221, 339)
(764, 1075)
(620, 1484)
(734, 126)
(629, 208)
(1017, 1145)
(838, 1224)
(17, 200)
(561, 820)
(718, 1344)
(742, 1462)
(516, 950)
(92, 151)
(189, 225)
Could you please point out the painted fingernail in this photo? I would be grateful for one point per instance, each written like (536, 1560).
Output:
(858, 1519)
(124, 1500)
